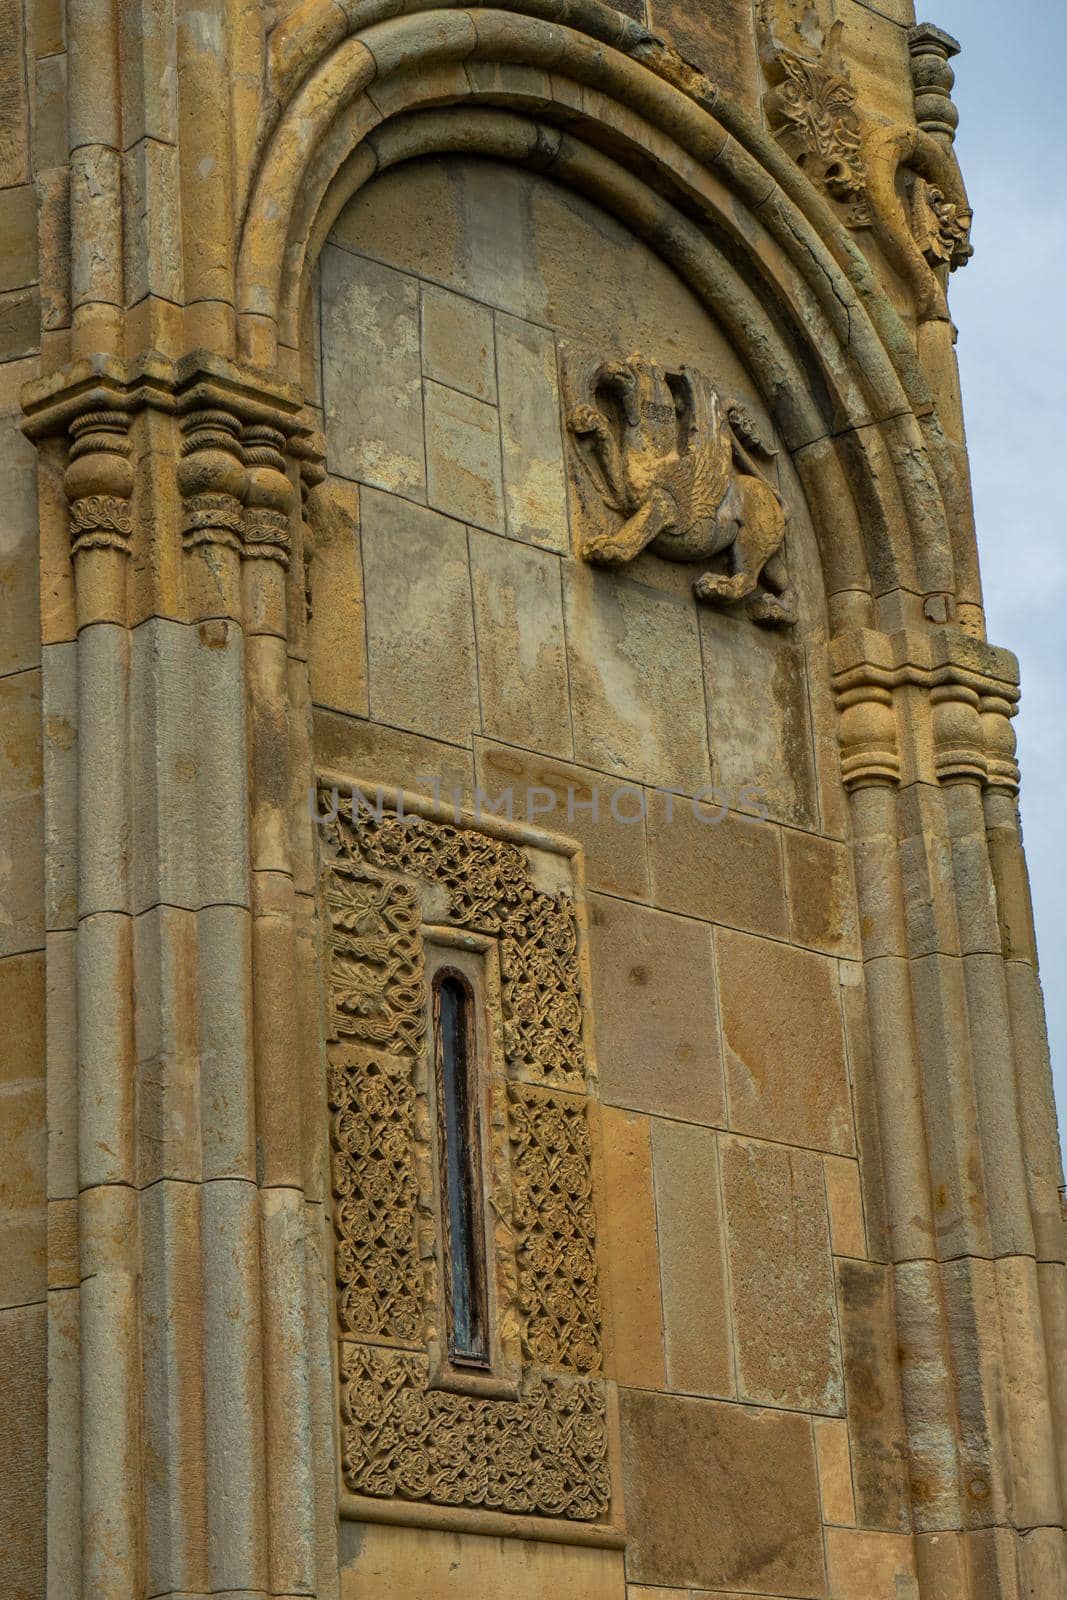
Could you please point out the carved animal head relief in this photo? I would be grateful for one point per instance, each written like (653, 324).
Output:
(676, 465)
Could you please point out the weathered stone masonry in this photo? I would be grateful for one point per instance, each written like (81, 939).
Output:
(483, 490)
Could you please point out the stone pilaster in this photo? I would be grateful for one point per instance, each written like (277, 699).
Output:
(200, 1200)
(977, 1256)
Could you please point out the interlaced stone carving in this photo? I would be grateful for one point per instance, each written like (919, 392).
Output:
(490, 890)
(376, 988)
(487, 879)
(372, 1104)
(556, 1229)
(376, 998)
(99, 482)
(542, 1005)
(543, 1453)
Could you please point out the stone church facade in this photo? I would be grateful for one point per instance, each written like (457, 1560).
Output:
(524, 1071)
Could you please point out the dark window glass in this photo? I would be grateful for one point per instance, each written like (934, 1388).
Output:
(455, 1051)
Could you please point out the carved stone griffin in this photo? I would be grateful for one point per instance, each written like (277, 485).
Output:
(668, 455)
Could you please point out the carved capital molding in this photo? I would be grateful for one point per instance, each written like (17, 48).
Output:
(959, 755)
(269, 495)
(998, 737)
(212, 479)
(236, 434)
(867, 733)
(98, 482)
(957, 729)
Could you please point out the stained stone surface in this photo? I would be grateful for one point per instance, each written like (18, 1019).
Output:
(786, 1066)
(658, 1028)
(781, 1277)
(733, 1456)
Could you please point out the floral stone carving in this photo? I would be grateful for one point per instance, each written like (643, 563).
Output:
(675, 462)
(811, 108)
(544, 1452)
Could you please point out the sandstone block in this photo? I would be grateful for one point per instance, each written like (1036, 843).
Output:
(420, 629)
(23, 1223)
(700, 1477)
(722, 868)
(22, 1008)
(62, 1055)
(534, 486)
(636, 685)
(870, 1566)
(522, 656)
(786, 1067)
(696, 1313)
(781, 1276)
(878, 60)
(18, 237)
(392, 757)
(872, 1390)
(835, 1470)
(717, 38)
(570, 800)
(822, 900)
(436, 1564)
(457, 342)
(20, 323)
(23, 1375)
(13, 120)
(21, 816)
(371, 374)
(20, 718)
(865, 1087)
(636, 1317)
(20, 623)
(337, 642)
(463, 457)
(845, 1203)
(48, 28)
(413, 215)
(654, 1000)
(758, 717)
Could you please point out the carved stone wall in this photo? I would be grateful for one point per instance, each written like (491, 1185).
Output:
(318, 323)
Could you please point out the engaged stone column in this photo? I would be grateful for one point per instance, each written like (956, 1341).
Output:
(190, 1053)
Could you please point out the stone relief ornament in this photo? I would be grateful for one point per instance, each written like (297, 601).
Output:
(941, 227)
(675, 462)
(811, 108)
(542, 1451)
(901, 180)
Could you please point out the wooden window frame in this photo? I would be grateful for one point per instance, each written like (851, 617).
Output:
(461, 1159)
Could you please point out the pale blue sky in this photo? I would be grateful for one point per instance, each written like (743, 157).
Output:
(1010, 305)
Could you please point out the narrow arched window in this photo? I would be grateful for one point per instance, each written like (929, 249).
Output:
(455, 1053)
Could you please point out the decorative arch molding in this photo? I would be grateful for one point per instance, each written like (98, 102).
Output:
(589, 98)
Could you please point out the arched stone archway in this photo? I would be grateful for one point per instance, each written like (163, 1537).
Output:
(838, 364)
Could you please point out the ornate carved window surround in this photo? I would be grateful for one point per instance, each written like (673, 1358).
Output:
(527, 1447)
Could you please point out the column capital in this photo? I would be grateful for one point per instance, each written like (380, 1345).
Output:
(939, 695)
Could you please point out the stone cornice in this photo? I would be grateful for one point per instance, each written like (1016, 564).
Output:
(195, 382)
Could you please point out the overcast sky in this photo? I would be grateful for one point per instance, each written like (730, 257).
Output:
(1010, 305)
